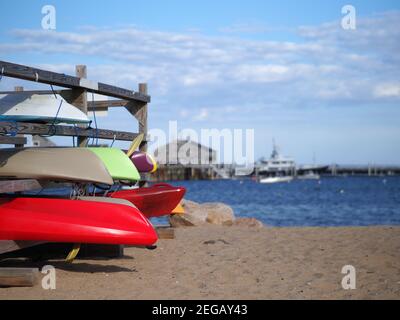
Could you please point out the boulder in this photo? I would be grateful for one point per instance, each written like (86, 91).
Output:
(248, 222)
(189, 205)
(194, 215)
(218, 213)
(199, 214)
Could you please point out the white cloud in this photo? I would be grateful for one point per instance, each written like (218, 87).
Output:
(389, 90)
(202, 115)
(190, 70)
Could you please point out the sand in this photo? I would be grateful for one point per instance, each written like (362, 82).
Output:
(236, 263)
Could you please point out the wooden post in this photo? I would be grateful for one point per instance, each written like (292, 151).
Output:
(143, 118)
(165, 232)
(18, 277)
(80, 99)
(18, 145)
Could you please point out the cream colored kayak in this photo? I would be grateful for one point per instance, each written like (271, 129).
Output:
(44, 108)
(55, 164)
(108, 200)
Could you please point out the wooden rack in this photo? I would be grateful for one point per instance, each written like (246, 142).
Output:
(136, 102)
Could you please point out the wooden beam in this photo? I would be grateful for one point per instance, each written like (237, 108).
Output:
(142, 117)
(13, 140)
(165, 232)
(60, 130)
(106, 104)
(80, 100)
(11, 245)
(58, 79)
(18, 277)
(19, 185)
(19, 89)
(68, 96)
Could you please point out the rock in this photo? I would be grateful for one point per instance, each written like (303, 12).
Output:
(199, 214)
(218, 213)
(189, 205)
(248, 222)
(194, 215)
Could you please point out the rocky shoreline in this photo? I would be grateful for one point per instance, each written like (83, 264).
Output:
(214, 213)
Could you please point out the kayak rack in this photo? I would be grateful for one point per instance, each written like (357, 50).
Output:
(74, 92)
(136, 102)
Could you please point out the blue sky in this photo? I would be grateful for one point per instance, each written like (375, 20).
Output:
(285, 68)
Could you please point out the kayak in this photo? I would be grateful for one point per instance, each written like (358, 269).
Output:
(55, 164)
(42, 108)
(117, 163)
(157, 200)
(77, 221)
(108, 200)
(144, 162)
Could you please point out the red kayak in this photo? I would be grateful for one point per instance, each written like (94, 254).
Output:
(77, 221)
(157, 200)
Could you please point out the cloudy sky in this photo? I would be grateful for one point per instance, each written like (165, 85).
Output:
(287, 69)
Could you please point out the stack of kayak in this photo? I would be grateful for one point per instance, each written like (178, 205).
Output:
(113, 216)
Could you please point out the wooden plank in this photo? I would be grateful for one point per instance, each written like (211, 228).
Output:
(140, 113)
(13, 140)
(68, 96)
(19, 185)
(11, 245)
(19, 145)
(142, 117)
(165, 232)
(101, 250)
(58, 79)
(61, 130)
(18, 277)
(105, 104)
(80, 100)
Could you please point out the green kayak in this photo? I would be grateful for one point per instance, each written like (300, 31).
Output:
(117, 163)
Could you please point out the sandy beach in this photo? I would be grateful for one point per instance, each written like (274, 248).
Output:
(220, 262)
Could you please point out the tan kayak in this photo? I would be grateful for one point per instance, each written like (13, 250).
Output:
(108, 199)
(55, 164)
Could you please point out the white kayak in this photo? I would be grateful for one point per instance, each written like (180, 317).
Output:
(43, 108)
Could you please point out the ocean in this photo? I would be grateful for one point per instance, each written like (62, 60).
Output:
(331, 201)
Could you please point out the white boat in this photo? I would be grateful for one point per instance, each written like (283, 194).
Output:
(43, 108)
(276, 179)
(277, 168)
(310, 175)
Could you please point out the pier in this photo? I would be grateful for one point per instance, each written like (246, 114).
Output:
(227, 171)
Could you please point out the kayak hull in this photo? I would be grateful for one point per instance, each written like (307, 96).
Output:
(117, 163)
(42, 108)
(154, 201)
(56, 164)
(77, 221)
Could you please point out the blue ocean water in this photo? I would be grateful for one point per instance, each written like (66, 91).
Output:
(339, 201)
